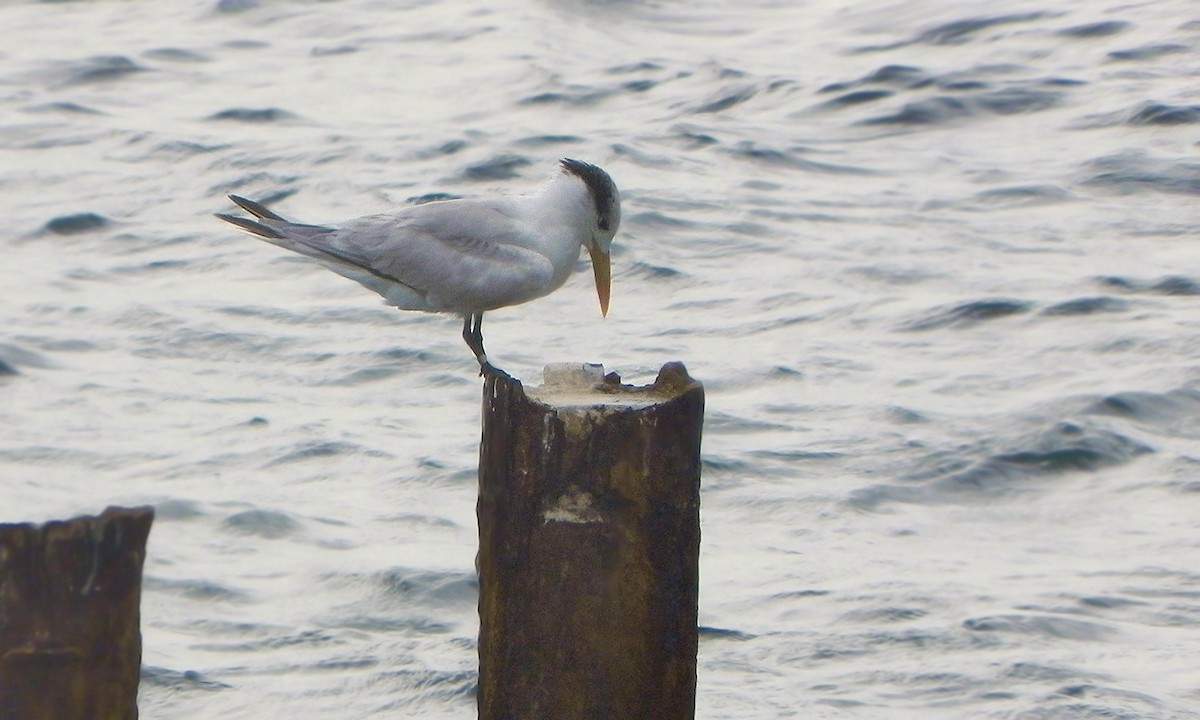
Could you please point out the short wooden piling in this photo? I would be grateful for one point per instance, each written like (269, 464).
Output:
(589, 539)
(70, 637)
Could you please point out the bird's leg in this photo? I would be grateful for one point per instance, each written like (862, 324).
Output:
(473, 335)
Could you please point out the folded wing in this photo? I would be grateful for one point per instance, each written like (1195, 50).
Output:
(458, 256)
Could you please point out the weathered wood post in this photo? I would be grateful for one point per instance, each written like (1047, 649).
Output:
(589, 541)
(70, 637)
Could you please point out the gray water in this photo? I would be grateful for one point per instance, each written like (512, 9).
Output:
(934, 262)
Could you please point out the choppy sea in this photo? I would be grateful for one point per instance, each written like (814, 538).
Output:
(935, 261)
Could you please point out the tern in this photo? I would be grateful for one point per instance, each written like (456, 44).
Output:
(465, 256)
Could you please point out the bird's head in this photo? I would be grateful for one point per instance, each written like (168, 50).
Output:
(607, 204)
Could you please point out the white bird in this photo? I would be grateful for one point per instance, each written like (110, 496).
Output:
(465, 256)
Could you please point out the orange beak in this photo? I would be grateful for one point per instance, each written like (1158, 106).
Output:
(603, 271)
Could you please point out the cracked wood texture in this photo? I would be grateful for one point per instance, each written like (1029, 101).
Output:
(589, 542)
(70, 636)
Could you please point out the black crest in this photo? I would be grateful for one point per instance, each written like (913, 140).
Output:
(603, 190)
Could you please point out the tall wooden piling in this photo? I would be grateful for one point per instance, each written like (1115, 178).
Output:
(70, 637)
(589, 540)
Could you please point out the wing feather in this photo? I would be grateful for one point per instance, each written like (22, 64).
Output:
(461, 256)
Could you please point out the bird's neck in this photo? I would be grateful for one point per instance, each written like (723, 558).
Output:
(564, 207)
(562, 215)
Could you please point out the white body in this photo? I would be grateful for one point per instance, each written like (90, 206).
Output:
(461, 256)
(465, 256)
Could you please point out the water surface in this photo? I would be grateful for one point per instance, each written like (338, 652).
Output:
(934, 262)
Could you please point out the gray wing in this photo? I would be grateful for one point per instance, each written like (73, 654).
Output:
(459, 255)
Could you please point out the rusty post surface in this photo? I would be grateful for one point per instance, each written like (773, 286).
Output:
(589, 540)
(70, 637)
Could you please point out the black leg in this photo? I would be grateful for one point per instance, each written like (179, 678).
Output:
(473, 335)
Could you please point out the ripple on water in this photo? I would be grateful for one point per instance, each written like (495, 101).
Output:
(942, 109)
(1173, 413)
(901, 76)
(959, 32)
(726, 99)
(64, 107)
(572, 95)
(253, 115)
(1025, 671)
(978, 92)
(13, 356)
(692, 137)
(1137, 171)
(1063, 447)
(857, 97)
(99, 69)
(499, 167)
(887, 614)
(1045, 625)
(548, 140)
(970, 313)
(1103, 28)
(1008, 465)
(192, 589)
(423, 685)
(769, 156)
(180, 149)
(432, 588)
(334, 50)
(77, 223)
(715, 633)
(1087, 306)
(365, 375)
(309, 449)
(1170, 285)
(278, 640)
(1015, 196)
(180, 681)
(262, 523)
(174, 54)
(1152, 51)
(177, 509)
(1154, 113)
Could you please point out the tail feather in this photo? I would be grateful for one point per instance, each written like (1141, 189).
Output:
(251, 226)
(312, 240)
(271, 226)
(258, 211)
